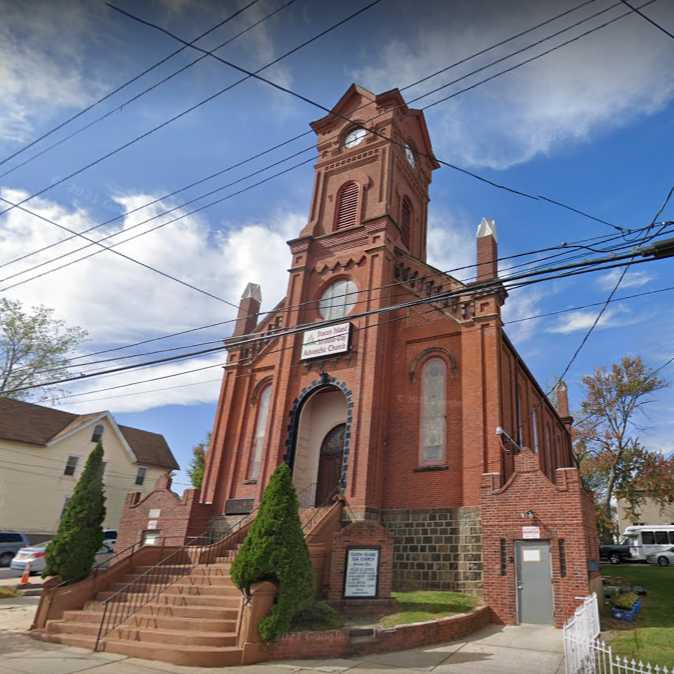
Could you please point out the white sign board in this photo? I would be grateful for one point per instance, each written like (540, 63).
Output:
(154, 514)
(327, 341)
(531, 532)
(362, 571)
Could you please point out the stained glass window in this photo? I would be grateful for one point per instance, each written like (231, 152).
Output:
(433, 411)
(260, 432)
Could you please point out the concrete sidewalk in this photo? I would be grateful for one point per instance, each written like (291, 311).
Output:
(518, 650)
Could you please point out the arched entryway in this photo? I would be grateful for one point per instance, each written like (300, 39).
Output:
(319, 447)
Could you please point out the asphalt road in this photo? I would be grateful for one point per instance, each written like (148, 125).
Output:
(9, 573)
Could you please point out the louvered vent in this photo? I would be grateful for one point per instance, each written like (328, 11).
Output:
(347, 206)
(406, 221)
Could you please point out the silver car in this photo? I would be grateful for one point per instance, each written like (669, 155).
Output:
(662, 558)
(35, 556)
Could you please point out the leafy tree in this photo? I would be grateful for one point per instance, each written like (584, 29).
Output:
(614, 463)
(31, 342)
(275, 550)
(198, 465)
(72, 552)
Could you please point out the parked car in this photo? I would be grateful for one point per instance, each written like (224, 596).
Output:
(10, 543)
(35, 555)
(110, 537)
(614, 553)
(662, 558)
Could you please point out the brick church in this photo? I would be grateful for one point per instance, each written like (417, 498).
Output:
(423, 421)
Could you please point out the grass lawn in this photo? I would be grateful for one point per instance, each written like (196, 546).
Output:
(651, 637)
(6, 592)
(416, 607)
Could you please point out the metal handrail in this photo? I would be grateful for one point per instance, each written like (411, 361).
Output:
(152, 582)
(95, 570)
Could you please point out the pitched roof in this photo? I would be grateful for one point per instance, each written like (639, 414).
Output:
(38, 425)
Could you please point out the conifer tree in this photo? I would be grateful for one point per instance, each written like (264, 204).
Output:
(275, 550)
(72, 552)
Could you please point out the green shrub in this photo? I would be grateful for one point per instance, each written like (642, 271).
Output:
(318, 616)
(275, 550)
(624, 600)
(72, 552)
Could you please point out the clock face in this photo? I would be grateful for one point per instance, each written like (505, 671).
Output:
(409, 154)
(354, 137)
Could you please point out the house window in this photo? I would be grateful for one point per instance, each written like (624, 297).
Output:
(71, 465)
(347, 206)
(534, 430)
(433, 412)
(98, 433)
(406, 221)
(260, 432)
(140, 475)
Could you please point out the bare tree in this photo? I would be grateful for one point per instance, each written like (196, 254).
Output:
(32, 344)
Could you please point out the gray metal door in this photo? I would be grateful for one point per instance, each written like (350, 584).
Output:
(534, 582)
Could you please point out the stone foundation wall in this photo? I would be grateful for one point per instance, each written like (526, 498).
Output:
(439, 549)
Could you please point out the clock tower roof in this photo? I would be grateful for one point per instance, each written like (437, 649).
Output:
(356, 107)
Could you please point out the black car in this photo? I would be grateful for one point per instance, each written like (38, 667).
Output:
(614, 553)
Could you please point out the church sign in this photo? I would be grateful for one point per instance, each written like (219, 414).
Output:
(327, 341)
(361, 580)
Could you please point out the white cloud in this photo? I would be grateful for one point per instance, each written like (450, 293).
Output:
(119, 302)
(601, 82)
(633, 279)
(583, 320)
(451, 244)
(522, 303)
(41, 63)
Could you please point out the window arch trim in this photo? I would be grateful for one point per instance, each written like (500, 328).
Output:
(420, 359)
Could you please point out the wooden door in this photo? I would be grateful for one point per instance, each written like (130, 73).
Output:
(330, 465)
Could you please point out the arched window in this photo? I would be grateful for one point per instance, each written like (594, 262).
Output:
(260, 433)
(347, 206)
(406, 221)
(433, 430)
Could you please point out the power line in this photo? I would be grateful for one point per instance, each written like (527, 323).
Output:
(306, 133)
(647, 18)
(123, 105)
(125, 84)
(556, 202)
(573, 269)
(435, 273)
(517, 320)
(330, 111)
(193, 107)
(601, 312)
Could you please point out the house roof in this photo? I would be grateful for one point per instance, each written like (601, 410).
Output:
(38, 425)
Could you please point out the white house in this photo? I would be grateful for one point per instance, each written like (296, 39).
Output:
(42, 454)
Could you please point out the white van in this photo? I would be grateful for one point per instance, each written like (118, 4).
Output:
(648, 539)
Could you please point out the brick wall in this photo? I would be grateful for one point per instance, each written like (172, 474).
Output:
(179, 517)
(363, 533)
(436, 549)
(561, 511)
(337, 643)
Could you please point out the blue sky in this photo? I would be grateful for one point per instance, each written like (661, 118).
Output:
(591, 124)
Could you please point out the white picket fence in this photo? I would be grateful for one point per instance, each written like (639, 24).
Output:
(584, 653)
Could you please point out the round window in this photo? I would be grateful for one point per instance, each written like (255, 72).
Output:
(338, 299)
(354, 137)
